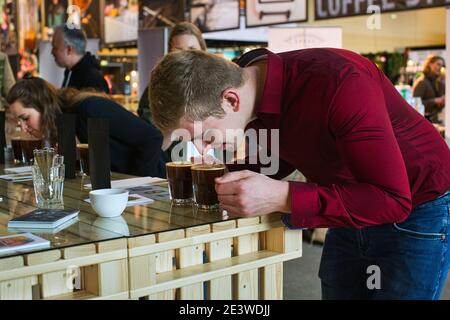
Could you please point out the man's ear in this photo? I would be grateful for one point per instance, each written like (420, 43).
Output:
(232, 99)
(70, 50)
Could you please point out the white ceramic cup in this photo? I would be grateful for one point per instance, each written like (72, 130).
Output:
(109, 203)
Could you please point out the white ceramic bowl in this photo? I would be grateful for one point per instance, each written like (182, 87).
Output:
(109, 203)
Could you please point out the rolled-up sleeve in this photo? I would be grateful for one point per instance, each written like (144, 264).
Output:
(359, 122)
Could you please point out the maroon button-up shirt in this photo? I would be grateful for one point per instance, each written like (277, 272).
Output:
(369, 157)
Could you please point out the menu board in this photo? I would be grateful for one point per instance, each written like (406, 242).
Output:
(268, 12)
(325, 9)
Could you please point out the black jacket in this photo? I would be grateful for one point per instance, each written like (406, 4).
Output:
(135, 145)
(86, 74)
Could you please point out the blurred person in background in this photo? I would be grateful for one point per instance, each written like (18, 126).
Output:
(7, 80)
(135, 145)
(430, 87)
(82, 68)
(184, 36)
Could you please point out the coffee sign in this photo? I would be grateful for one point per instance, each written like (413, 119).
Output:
(330, 9)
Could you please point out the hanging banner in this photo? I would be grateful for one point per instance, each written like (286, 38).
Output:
(330, 9)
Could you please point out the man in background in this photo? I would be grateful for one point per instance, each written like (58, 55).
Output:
(82, 68)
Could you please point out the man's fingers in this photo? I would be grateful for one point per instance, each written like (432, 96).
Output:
(230, 188)
(229, 200)
(234, 176)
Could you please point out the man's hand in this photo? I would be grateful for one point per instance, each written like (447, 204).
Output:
(247, 194)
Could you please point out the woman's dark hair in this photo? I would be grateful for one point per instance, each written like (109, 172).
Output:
(36, 93)
(40, 95)
(431, 59)
(182, 28)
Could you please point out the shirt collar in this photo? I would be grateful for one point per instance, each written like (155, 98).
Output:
(272, 93)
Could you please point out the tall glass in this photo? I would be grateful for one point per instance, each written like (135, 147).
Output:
(48, 178)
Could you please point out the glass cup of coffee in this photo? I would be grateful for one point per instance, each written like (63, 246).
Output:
(83, 158)
(204, 185)
(180, 182)
(23, 149)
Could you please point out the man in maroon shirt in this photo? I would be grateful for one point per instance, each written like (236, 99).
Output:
(377, 171)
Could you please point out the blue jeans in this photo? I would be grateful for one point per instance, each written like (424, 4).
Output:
(413, 257)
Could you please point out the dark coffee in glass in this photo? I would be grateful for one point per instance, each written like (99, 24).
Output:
(180, 182)
(83, 158)
(23, 149)
(204, 185)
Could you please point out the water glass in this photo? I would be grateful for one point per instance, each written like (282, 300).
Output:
(48, 178)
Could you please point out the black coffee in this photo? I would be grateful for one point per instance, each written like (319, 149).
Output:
(83, 156)
(180, 181)
(204, 185)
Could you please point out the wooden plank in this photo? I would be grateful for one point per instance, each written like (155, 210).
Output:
(62, 264)
(283, 240)
(142, 271)
(164, 262)
(198, 230)
(245, 222)
(274, 239)
(170, 235)
(246, 283)
(54, 284)
(42, 257)
(175, 244)
(141, 241)
(214, 270)
(190, 256)
(79, 251)
(108, 278)
(222, 226)
(18, 289)
(272, 282)
(220, 289)
(112, 245)
(91, 279)
(86, 295)
(271, 217)
(11, 263)
(113, 277)
(293, 240)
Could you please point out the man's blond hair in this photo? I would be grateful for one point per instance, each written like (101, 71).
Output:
(190, 83)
